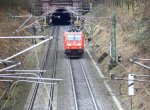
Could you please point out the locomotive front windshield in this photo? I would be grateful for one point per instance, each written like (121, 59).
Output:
(74, 37)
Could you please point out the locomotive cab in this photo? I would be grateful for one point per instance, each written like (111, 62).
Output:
(74, 43)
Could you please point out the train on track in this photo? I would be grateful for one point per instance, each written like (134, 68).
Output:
(74, 42)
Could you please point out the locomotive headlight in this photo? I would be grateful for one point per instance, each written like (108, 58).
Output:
(79, 44)
(68, 44)
(68, 47)
(79, 47)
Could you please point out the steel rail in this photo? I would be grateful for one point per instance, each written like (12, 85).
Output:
(54, 70)
(73, 87)
(87, 83)
(102, 29)
(42, 67)
(89, 87)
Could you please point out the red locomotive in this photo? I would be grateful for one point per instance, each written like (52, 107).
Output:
(74, 42)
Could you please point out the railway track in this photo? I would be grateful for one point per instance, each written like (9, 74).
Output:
(83, 95)
(50, 107)
(43, 66)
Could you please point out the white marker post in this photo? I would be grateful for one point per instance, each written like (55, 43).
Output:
(131, 87)
(130, 84)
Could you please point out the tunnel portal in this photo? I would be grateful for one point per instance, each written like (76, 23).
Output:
(61, 17)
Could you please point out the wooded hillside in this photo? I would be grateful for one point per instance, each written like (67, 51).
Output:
(7, 4)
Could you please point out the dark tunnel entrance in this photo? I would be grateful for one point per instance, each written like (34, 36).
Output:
(61, 17)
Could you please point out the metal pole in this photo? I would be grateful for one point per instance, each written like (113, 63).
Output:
(25, 16)
(86, 19)
(91, 30)
(16, 74)
(28, 81)
(131, 103)
(2, 61)
(42, 17)
(34, 30)
(138, 80)
(21, 37)
(33, 82)
(144, 59)
(41, 25)
(26, 71)
(98, 17)
(81, 20)
(147, 67)
(140, 75)
(13, 56)
(21, 16)
(30, 78)
(24, 23)
(1, 80)
(9, 67)
(113, 55)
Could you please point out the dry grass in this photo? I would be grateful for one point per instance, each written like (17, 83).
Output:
(8, 26)
(129, 45)
(9, 47)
